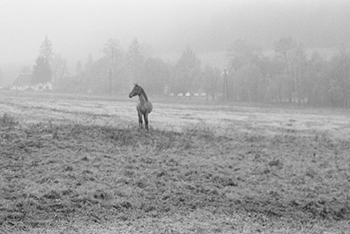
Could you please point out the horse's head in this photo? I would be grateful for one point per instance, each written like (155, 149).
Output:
(135, 91)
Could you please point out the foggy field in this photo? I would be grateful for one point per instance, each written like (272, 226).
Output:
(79, 164)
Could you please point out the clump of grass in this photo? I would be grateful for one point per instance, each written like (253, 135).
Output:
(123, 137)
(8, 120)
(200, 129)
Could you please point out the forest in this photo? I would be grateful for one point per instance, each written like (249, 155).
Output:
(288, 74)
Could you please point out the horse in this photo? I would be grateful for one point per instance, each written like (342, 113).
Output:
(144, 106)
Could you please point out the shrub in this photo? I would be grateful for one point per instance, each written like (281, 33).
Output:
(8, 120)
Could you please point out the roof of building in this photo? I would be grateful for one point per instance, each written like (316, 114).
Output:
(23, 80)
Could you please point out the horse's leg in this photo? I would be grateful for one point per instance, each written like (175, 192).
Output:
(140, 118)
(146, 119)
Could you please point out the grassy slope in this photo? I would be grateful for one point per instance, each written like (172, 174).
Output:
(67, 176)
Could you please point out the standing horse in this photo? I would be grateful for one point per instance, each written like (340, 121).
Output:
(144, 106)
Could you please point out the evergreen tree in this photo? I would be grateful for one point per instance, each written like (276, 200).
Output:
(46, 50)
(42, 72)
(242, 56)
(156, 73)
(187, 72)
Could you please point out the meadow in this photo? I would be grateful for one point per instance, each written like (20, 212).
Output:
(80, 164)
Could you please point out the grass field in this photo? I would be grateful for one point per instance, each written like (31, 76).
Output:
(79, 164)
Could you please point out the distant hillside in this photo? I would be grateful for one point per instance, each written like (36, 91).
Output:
(220, 60)
(217, 59)
(315, 24)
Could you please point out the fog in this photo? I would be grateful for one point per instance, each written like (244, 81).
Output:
(78, 28)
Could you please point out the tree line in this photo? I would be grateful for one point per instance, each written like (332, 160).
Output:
(288, 74)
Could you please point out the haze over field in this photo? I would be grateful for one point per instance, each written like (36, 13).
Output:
(249, 130)
(78, 28)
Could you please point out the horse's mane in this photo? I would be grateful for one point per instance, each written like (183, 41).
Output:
(144, 93)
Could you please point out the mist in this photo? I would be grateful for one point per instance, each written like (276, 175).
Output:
(79, 28)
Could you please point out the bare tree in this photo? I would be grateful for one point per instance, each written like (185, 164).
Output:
(188, 71)
(59, 68)
(210, 80)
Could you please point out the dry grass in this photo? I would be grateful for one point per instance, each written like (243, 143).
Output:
(101, 177)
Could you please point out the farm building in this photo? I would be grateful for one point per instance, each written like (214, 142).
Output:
(23, 82)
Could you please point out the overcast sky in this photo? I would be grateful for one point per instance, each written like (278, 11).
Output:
(77, 28)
